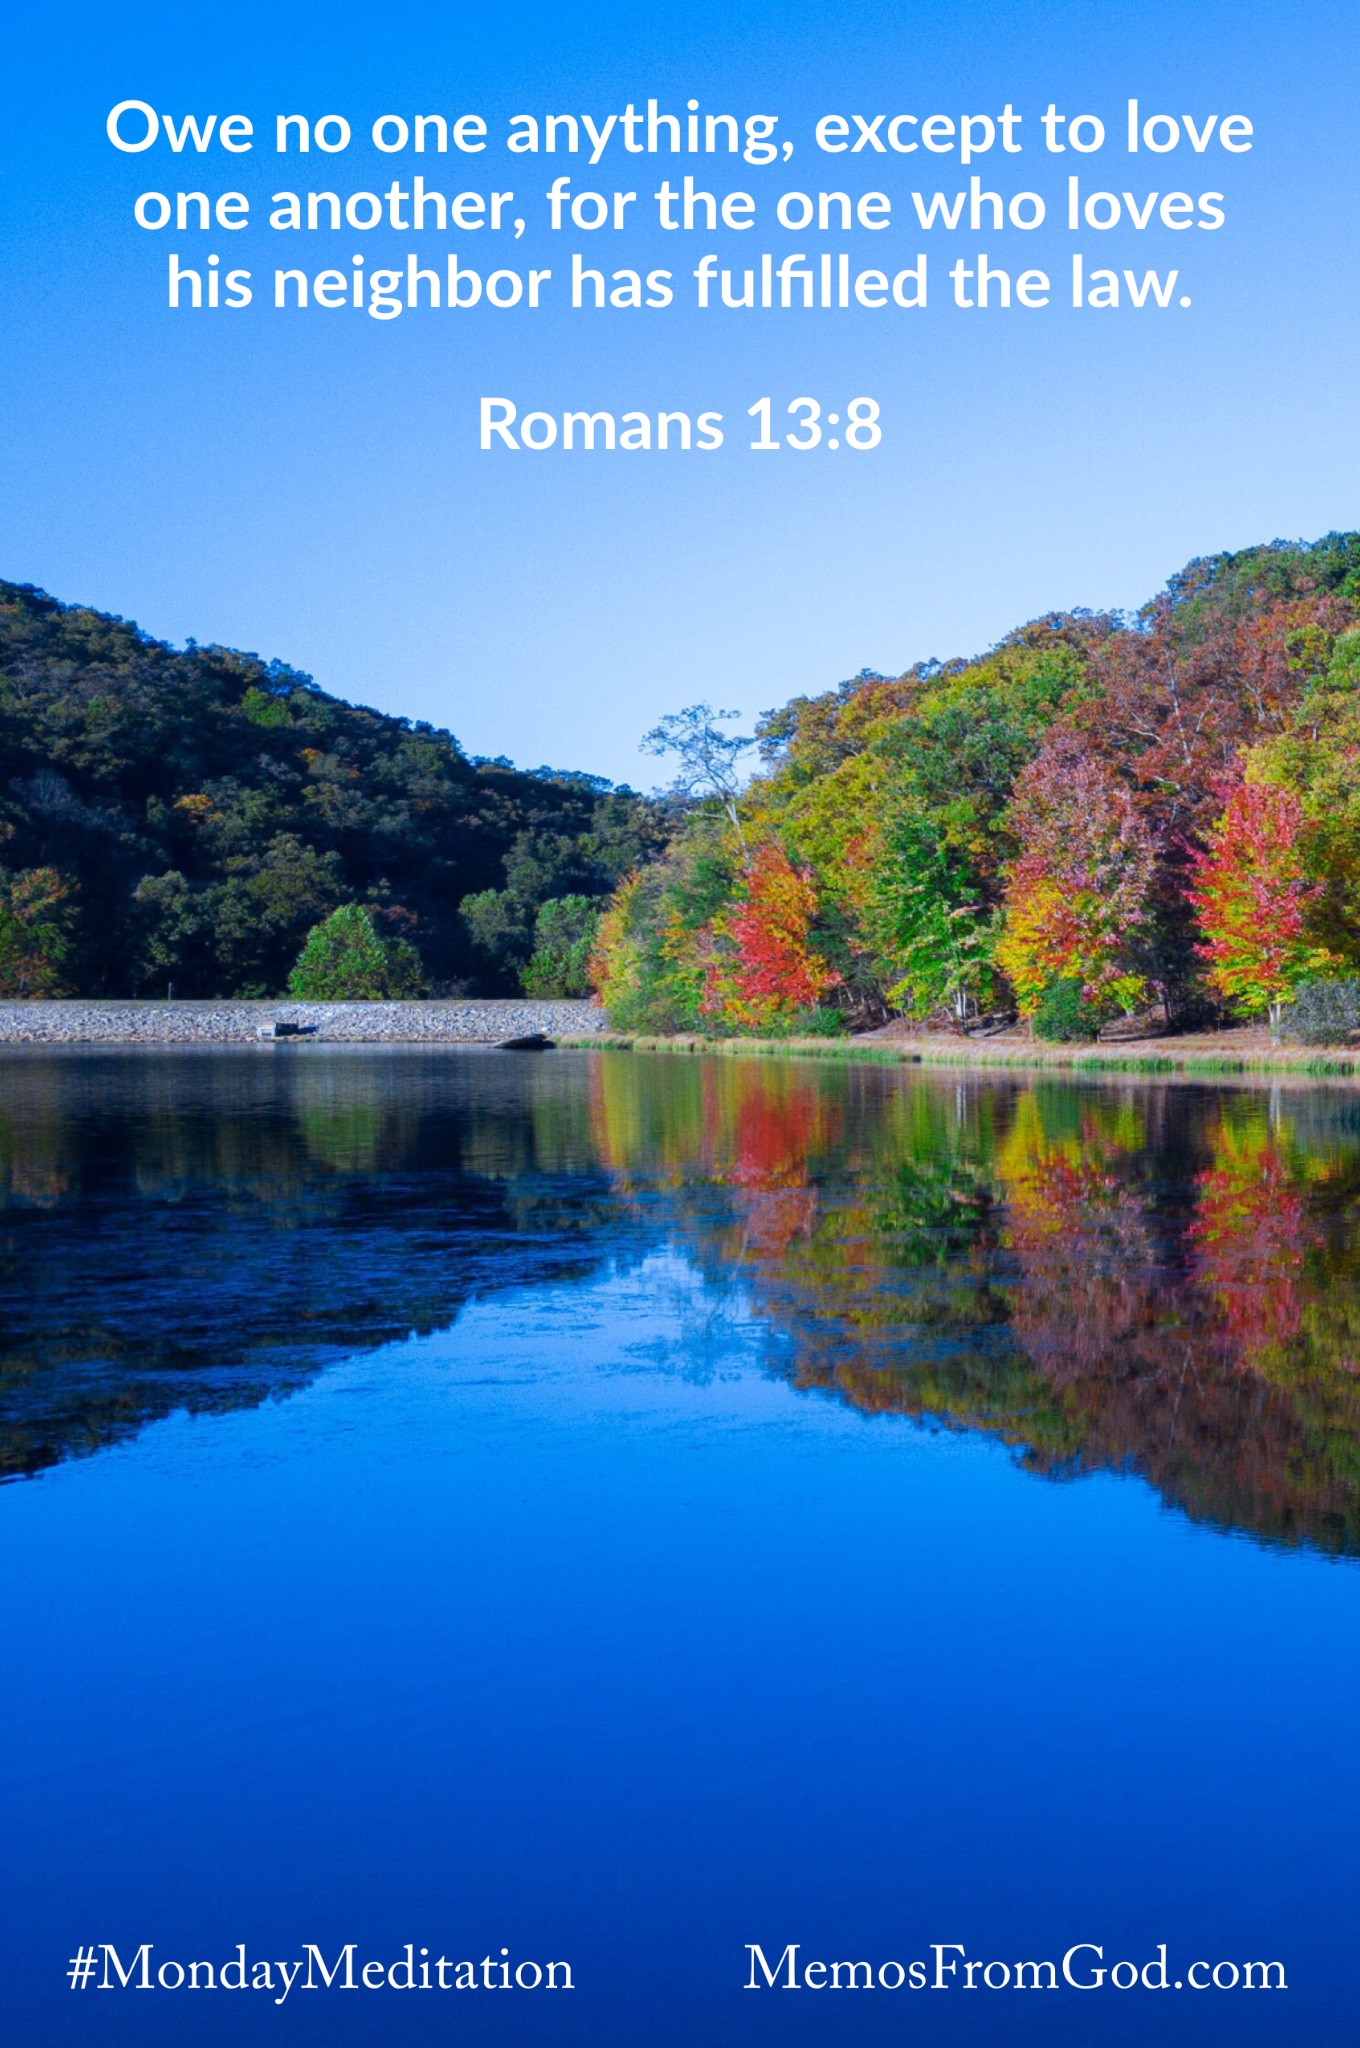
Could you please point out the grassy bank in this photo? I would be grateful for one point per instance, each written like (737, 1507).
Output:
(1172, 1056)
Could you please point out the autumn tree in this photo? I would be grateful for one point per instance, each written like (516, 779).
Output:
(763, 969)
(1177, 697)
(1078, 896)
(36, 909)
(1252, 896)
(653, 945)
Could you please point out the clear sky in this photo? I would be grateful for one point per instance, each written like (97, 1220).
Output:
(310, 485)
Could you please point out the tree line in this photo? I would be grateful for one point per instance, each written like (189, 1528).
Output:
(1102, 816)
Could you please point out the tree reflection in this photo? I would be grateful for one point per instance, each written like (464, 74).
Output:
(1252, 1235)
(1133, 1279)
(206, 1233)
(1151, 1280)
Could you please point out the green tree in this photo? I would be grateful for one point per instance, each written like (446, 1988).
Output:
(346, 959)
(500, 925)
(208, 808)
(933, 929)
(175, 933)
(564, 935)
(269, 900)
(972, 734)
(1316, 757)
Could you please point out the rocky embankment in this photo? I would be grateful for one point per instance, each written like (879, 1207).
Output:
(454, 1022)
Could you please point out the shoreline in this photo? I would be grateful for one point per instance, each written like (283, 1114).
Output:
(1207, 1055)
(579, 1025)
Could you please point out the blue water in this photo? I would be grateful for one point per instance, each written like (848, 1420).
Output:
(581, 1625)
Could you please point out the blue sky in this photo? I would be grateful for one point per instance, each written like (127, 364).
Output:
(310, 485)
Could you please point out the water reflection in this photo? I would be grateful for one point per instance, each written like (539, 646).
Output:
(205, 1232)
(1160, 1280)
(1150, 1279)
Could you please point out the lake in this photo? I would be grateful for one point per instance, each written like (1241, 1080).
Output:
(685, 1522)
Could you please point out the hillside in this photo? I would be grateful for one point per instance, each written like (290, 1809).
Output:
(184, 817)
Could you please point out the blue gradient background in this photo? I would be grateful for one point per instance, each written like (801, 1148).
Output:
(310, 486)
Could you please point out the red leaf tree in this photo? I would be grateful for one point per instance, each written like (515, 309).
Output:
(1252, 898)
(1077, 898)
(763, 969)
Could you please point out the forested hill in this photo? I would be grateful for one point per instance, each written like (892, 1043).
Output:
(1099, 816)
(187, 817)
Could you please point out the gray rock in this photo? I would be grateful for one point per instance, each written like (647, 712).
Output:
(462, 1021)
